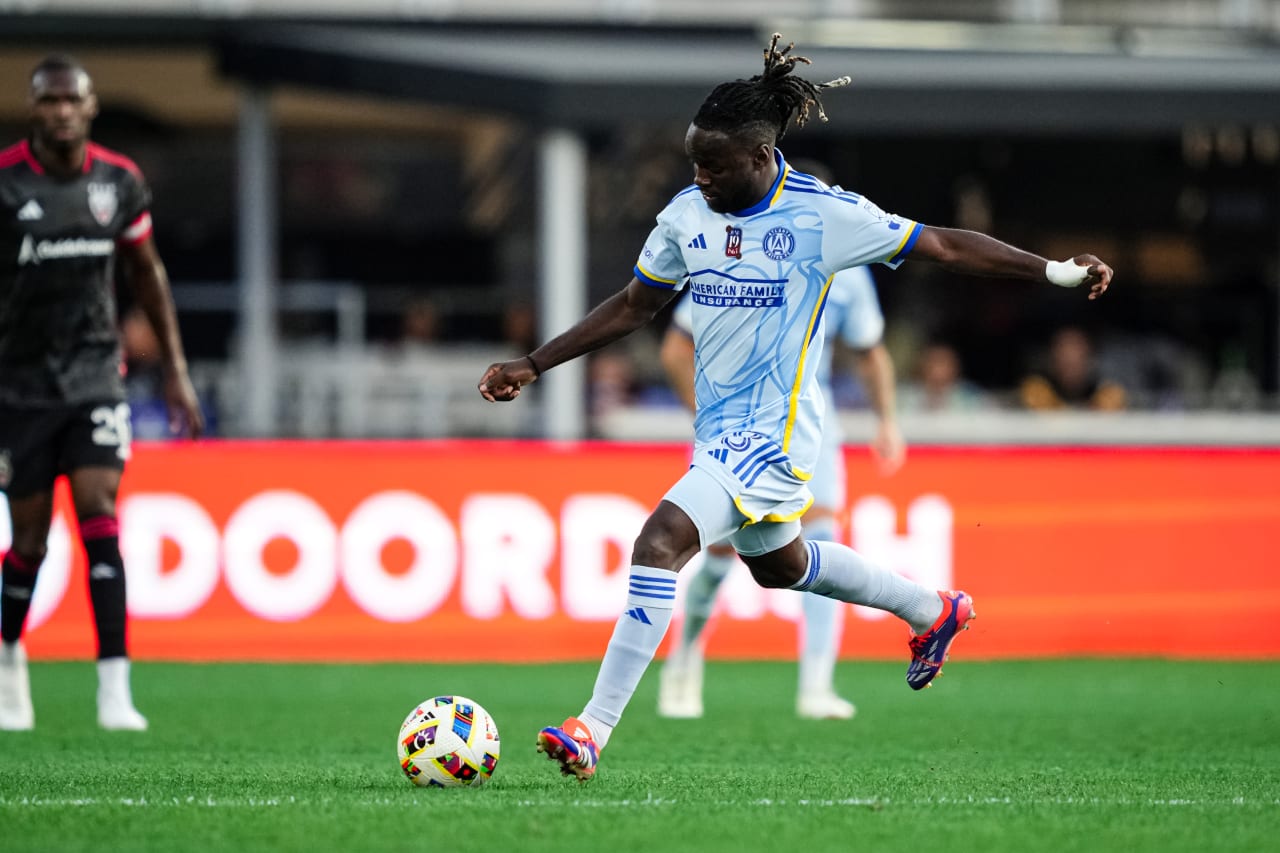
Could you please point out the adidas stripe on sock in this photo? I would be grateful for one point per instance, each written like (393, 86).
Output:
(837, 571)
(651, 597)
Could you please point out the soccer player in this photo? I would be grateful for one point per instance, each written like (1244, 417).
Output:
(68, 208)
(756, 244)
(852, 316)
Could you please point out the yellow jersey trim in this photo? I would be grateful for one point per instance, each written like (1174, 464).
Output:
(786, 170)
(794, 399)
(654, 278)
(793, 516)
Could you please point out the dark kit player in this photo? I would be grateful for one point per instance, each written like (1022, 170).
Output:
(68, 208)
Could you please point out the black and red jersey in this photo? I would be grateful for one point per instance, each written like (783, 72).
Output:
(58, 238)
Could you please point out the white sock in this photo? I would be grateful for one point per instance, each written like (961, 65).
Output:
(837, 571)
(640, 629)
(700, 598)
(600, 730)
(113, 680)
(821, 626)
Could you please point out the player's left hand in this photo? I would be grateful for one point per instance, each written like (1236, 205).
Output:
(185, 416)
(889, 448)
(502, 381)
(1099, 274)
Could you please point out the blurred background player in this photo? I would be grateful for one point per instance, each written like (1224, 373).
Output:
(853, 318)
(68, 207)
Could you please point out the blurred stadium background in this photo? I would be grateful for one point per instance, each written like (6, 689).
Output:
(353, 200)
(363, 204)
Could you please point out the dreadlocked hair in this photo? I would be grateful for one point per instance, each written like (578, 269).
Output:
(768, 102)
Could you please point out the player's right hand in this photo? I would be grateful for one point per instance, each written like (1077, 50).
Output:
(502, 381)
(185, 416)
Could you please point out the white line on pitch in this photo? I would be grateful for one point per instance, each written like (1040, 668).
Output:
(648, 802)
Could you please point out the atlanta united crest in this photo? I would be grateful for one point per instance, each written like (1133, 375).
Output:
(779, 243)
(103, 203)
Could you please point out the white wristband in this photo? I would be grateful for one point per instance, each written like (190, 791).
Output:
(1065, 273)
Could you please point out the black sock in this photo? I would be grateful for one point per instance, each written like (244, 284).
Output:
(101, 535)
(16, 588)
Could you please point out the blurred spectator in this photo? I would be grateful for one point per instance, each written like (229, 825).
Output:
(1071, 379)
(610, 381)
(520, 326)
(1157, 371)
(420, 323)
(1235, 387)
(939, 384)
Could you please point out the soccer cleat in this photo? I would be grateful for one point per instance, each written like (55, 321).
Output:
(16, 713)
(115, 701)
(929, 650)
(680, 688)
(573, 746)
(120, 717)
(824, 705)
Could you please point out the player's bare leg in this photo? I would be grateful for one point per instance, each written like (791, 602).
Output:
(94, 491)
(30, 518)
(839, 572)
(666, 542)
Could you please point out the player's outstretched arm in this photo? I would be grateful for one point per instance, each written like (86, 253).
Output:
(150, 282)
(977, 254)
(615, 318)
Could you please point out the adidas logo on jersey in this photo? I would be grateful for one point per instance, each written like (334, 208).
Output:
(31, 211)
(699, 242)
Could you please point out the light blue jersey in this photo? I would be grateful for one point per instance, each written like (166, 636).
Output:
(759, 281)
(853, 317)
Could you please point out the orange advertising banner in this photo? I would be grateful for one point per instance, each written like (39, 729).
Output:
(518, 551)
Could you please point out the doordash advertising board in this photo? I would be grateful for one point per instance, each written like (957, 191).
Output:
(518, 551)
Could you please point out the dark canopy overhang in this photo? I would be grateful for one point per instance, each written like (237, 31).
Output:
(593, 78)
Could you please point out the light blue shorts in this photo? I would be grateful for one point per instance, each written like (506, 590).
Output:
(829, 477)
(715, 512)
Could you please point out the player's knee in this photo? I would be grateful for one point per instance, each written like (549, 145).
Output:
(28, 554)
(668, 540)
(663, 548)
(776, 580)
(774, 573)
(656, 549)
(95, 505)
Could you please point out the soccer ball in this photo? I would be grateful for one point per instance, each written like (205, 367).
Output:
(448, 741)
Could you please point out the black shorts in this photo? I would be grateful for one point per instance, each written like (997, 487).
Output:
(38, 444)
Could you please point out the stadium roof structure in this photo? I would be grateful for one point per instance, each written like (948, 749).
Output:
(950, 78)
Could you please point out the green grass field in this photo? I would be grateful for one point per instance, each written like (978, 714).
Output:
(1055, 756)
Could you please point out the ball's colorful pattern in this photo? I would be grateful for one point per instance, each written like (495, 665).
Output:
(448, 741)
